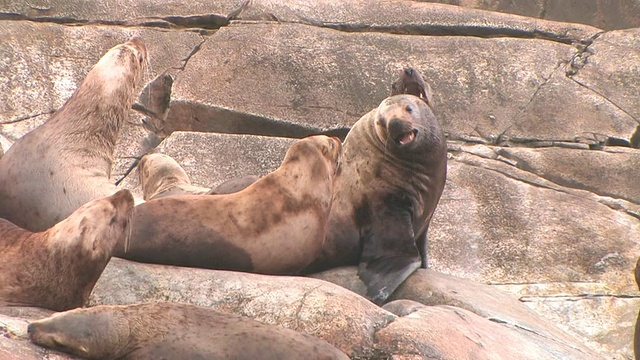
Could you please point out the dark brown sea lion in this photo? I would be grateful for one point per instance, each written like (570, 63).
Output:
(392, 173)
(57, 269)
(172, 331)
(66, 162)
(275, 226)
(412, 82)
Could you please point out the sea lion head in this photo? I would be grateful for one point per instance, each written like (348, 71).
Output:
(160, 172)
(85, 333)
(118, 73)
(406, 125)
(96, 227)
(321, 146)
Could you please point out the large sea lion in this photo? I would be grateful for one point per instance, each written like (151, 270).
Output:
(57, 269)
(275, 226)
(392, 174)
(66, 162)
(172, 331)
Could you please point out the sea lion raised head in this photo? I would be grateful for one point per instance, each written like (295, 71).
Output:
(392, 173)
(57, 269)
(412, 82)
(74, 148)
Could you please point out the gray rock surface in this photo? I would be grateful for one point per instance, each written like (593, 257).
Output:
(538, 202)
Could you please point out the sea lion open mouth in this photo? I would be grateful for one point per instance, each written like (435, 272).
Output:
(407, 137)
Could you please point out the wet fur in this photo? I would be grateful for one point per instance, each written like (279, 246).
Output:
(172, 331)
(57, 269)
(66, 162)
(275, 226)
(385, 195)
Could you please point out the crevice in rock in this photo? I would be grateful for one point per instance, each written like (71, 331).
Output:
(206, 21)
(570, 183)
(26, 117)
(194, 51)
(524, 328)
(578, 297)
(580, 58)
(605, 98)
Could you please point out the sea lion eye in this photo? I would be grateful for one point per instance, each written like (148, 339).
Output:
(409, 108)
(140, 59)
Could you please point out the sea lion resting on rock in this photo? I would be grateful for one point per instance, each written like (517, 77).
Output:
(57, 269)
(392, 173)
(66, 162)
(275, 226)
(172, 331)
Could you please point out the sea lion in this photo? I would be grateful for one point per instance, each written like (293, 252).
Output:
(57, 269)
(412, 82)
(160, 176)
(275, 226)
(172, 331)
(392, 173)
(66, 162)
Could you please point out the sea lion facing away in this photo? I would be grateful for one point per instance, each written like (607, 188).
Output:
(57, 269)
(66, 162)
(275, 226)
(172, 331)
(412, 82)
(392, 173)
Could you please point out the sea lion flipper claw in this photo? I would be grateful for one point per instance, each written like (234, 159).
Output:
(383, 275)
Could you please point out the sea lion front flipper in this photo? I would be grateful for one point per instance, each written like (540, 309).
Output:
(383, 275)
(389, 255)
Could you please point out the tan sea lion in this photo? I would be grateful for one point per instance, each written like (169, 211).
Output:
(275, 226)
(392, 173)
(412, 82)
(66, 162)
(172, 331)
(57, 269)
(160, 176)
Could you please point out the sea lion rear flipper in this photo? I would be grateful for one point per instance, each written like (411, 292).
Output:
(383, 275)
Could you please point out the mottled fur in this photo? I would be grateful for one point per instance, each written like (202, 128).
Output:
(57, 268)
(275, 226)
(66, 162)
(392, 173)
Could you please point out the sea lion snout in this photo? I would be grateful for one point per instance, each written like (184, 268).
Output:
(30, 329)
(401, 131)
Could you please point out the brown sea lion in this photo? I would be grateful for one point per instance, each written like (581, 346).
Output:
(161, 175)
(66, 162)
(172, 331)
(392, 173)
(275, 226)
(412, 82)
(57, 269)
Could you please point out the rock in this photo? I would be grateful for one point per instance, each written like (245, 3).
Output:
(170, 14)
(429, 287)
(619, 14)
(14, 341)
(311, 306)
(447, 332)
(211, 159)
